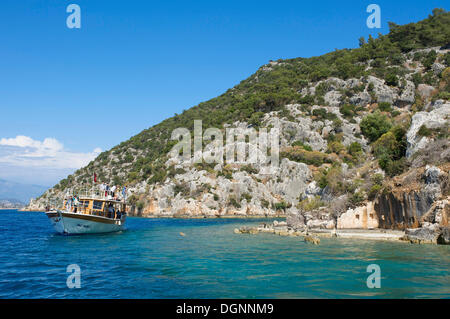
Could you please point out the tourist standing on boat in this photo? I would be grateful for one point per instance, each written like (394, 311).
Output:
(69, 203)
(124, 193)
(110, 211)
(75, 203)
(113, 190)
(102, 188)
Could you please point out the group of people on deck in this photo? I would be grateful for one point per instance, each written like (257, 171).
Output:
(114, 213)
(116, 193)
(113, 191)
(73, 202)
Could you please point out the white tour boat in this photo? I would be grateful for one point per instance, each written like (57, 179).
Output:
(89, 214)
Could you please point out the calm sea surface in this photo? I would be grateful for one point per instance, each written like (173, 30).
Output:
(151, 260)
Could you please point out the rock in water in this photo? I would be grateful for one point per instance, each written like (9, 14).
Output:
(444, 237)
(246, 230)
(423, 235)
(312, 240)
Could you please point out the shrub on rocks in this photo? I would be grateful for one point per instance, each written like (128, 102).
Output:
(374, 191)
(348, 110)
(392, 79)
(429, 59)
(303, 145)
(424, 131)
(355, 149)
(335, 147)
(322, 114)
(357, 198)
(375, 125)
(298, 154)
(309, 204)
(280, 206)
(385, 107)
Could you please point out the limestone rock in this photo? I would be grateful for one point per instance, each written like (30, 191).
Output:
(383, 92)
(432, 174)
(427, 234)
(304, 130)
(437, 68)
(361, 99)
(352, 83)
(312, 190)
(408, 95)
(444, 237)
(425, 90)
(333, 98)
(436, 104)
(313, 240)
(334, 84)
(435, 119)
(293, 180)
(295, 219)
(439, 213)
(247, 230)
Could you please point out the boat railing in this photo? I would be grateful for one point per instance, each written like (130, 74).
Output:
(116, 214)
(96, 193)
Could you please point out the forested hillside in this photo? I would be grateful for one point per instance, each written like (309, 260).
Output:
(352, 123)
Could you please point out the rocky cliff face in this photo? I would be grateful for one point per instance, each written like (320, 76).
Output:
(410, 198)
(435, 119)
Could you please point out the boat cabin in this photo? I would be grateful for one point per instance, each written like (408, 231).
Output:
(107, 208)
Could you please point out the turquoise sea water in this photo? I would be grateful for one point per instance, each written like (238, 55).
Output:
(151, 260)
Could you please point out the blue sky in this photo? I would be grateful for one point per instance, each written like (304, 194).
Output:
(134, 63)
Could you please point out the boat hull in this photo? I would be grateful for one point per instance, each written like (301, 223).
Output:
(75, 224)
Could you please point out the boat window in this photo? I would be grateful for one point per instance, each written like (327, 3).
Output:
(98, 205)
(85, 204)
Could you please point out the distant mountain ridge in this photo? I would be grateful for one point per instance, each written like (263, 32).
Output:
(18, 192)
(11, 203)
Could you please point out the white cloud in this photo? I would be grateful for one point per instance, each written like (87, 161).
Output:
(23, 151)
(49, 144)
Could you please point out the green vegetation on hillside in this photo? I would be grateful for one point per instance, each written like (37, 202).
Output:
(270, 89)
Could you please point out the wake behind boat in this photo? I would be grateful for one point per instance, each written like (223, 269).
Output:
(90, 213)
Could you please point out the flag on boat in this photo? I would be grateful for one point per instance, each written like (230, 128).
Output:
(95, 178)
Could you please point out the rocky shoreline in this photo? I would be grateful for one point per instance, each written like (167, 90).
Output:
(212, 216)
(313, 235)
